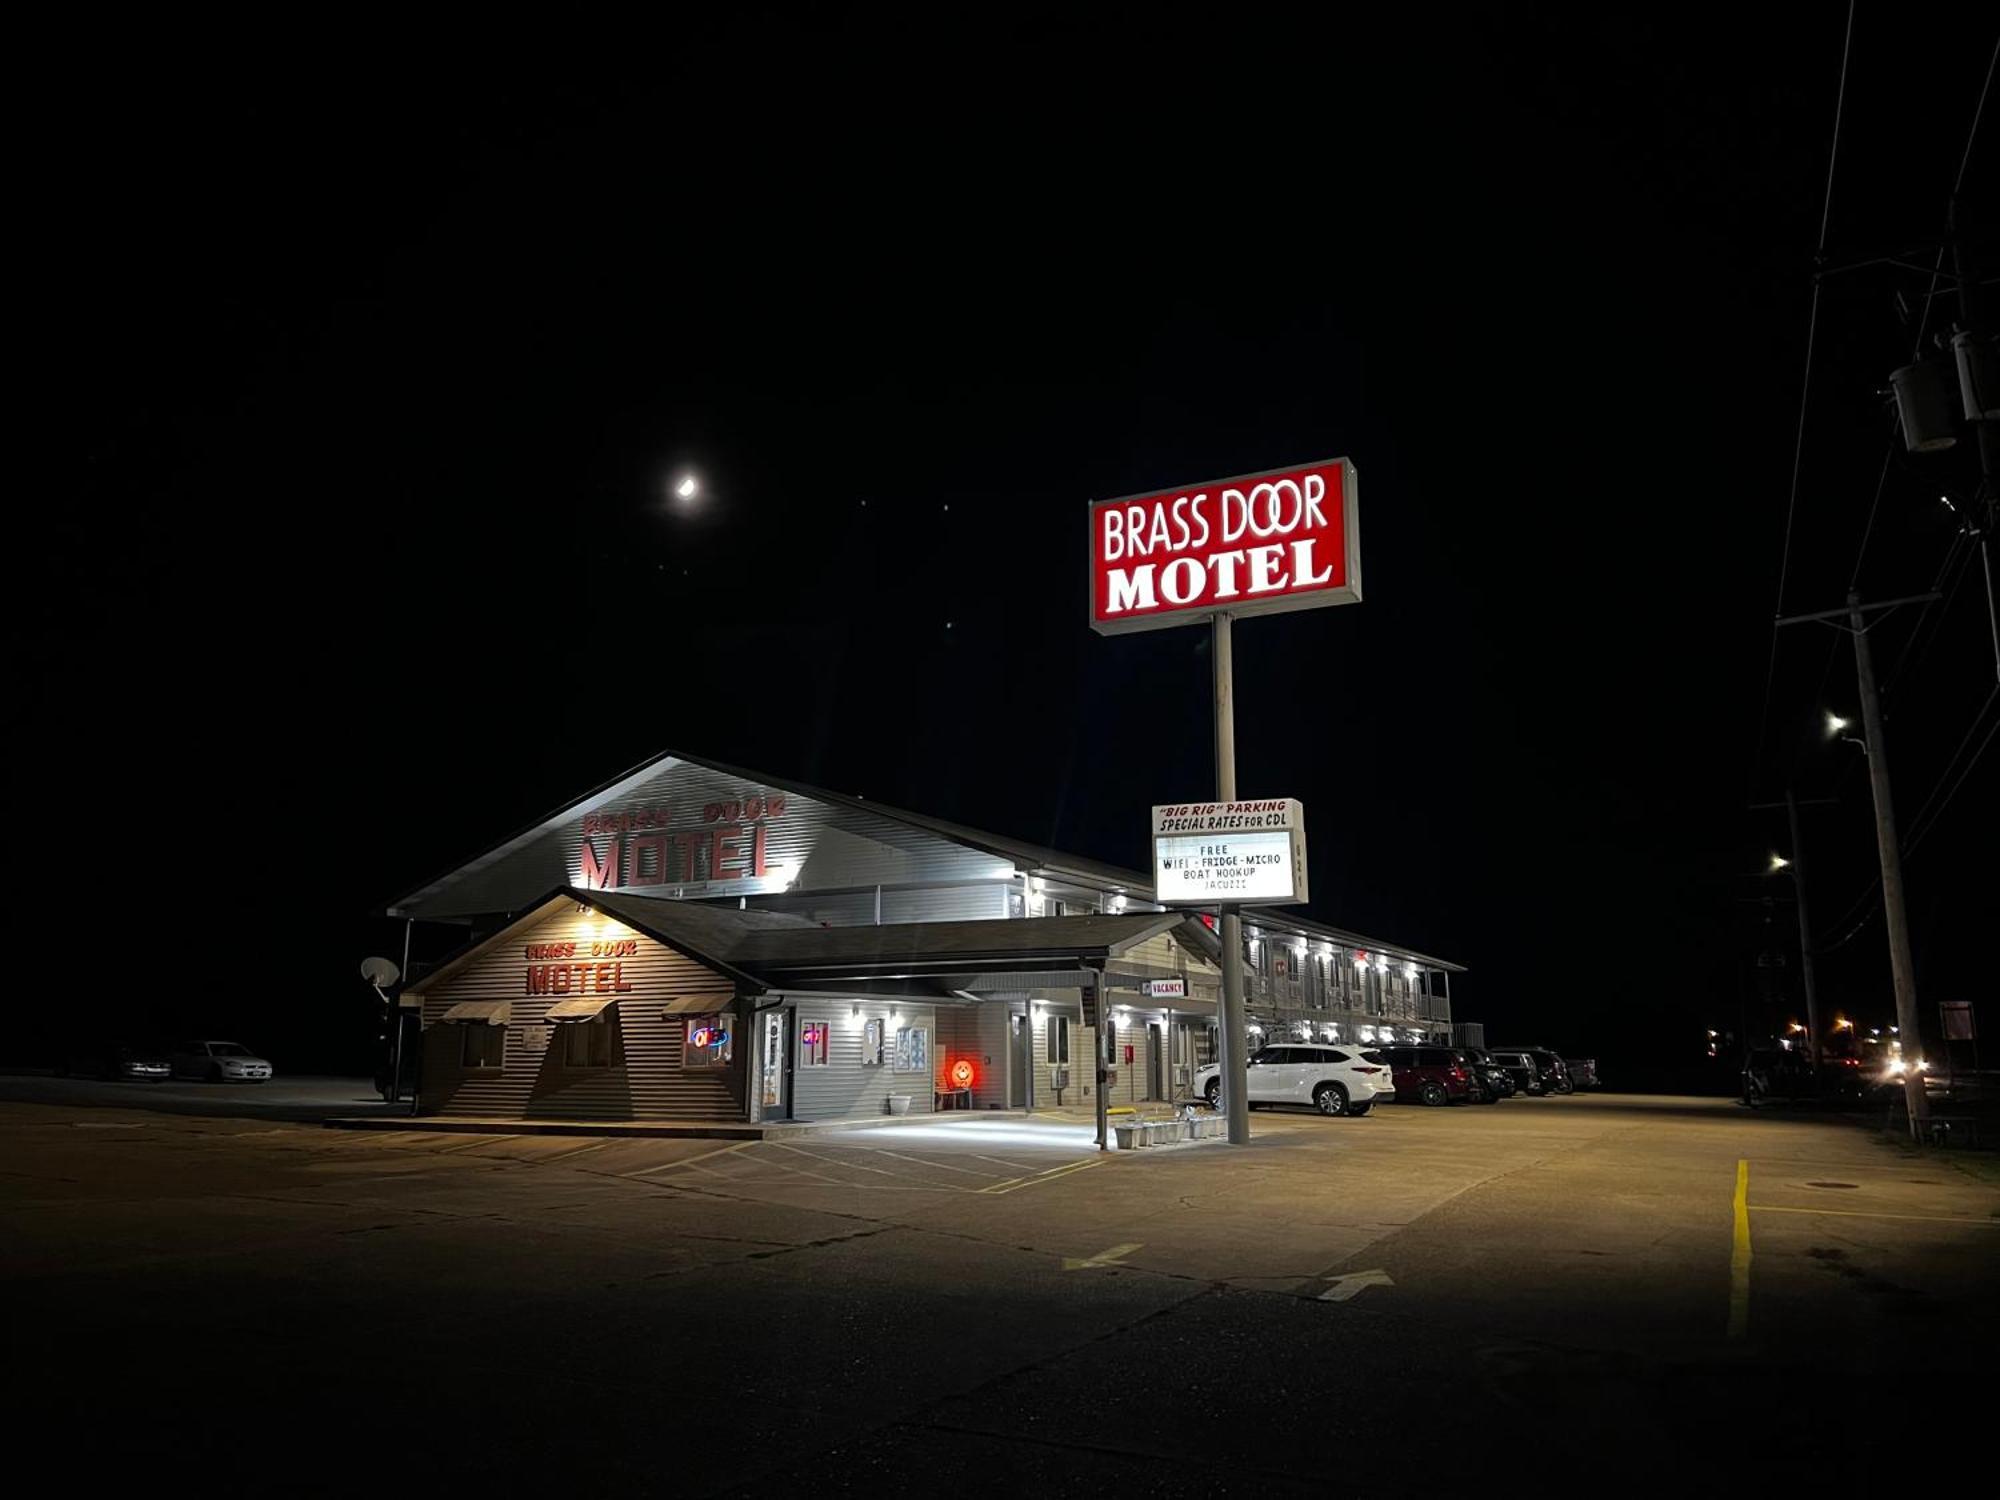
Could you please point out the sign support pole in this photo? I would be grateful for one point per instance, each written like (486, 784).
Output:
(1233, 1039)
(1101, 1046)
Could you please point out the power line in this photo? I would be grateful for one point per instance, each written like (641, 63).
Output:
(1918, 826)
(1805, 395)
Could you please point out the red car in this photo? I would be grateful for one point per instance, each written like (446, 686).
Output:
(1431, 1075)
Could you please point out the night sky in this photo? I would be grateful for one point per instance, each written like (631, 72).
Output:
(367, 365)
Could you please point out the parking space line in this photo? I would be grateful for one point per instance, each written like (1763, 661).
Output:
(834, 1161)
(1858, 1213)
(1012, 1166)
(666, 1166)
(940, 1165)
(1739, 1256)
(1040, 1177)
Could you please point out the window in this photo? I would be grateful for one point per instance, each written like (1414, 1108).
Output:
(586, 1044)
(710, 1042)
(913, 1050)
(1333, 1056)
(1058, 1039)
(481, 1046)
(813, 1043)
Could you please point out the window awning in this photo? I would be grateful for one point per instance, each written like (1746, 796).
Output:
(698, 1005)
(480, 1012)
(588, 1008)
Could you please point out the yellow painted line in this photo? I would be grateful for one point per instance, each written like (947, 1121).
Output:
(1739, 1257)
(1858, 1213)
(835, 1161)
(1049, 1176)
(688, 1161)
(943, 1166)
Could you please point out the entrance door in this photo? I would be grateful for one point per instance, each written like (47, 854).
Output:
(1155, 1061)
(774, 1062)
(1020, 1062)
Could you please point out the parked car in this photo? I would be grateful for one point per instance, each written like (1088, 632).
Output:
(1334, 1080)
(1549, 1069)
(1432, 1075)
(1520, 1068)
(1582, 1071)
(120, 1061)
(219, 1062)
(1494, 1080)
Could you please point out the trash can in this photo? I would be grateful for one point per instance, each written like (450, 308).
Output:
(1128, 1136)
(899, 1104)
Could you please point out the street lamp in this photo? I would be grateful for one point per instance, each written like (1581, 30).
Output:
(686, 487)
(1835, 723)
(1779, 862)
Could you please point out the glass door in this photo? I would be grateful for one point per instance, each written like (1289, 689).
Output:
(774, 1056)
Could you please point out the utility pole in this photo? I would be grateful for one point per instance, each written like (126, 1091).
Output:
(1901, 969)
(1805, 934)
(1233, 1070)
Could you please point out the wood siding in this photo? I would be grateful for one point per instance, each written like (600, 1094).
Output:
(645, 1079)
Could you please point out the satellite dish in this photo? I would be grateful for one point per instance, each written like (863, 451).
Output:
(379, 971)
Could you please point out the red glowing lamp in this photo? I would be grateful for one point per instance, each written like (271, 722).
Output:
(961, 1073)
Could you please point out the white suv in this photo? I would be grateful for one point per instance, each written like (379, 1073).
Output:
(1334, 1080)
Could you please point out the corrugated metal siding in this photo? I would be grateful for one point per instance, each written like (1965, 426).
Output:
(824, 847)
(843, 1089)
(645, 1079)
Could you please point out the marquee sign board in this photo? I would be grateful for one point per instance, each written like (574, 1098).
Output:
(1207, 853)
(1262, 543)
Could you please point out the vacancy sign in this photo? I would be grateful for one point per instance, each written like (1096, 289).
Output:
(1164, 989)
(1257, 544)
(1206, 853)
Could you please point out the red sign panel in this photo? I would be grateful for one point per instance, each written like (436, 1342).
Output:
(1256, 544)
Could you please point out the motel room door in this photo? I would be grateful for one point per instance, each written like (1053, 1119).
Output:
(1155, 1061)
(1020, 1062)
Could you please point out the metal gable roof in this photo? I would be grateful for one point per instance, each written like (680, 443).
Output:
(1032, 858)
(763, 949)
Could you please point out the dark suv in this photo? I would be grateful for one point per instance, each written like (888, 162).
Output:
(1431, 1075)
(1521, 1068)
(1549, 1069)
(1494, 1080)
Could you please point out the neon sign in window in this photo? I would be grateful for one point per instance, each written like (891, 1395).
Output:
(709, 1043)
(813, 1042)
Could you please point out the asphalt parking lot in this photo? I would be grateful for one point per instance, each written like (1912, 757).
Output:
(959, 1304)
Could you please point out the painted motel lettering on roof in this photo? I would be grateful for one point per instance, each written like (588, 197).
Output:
(1258, 544)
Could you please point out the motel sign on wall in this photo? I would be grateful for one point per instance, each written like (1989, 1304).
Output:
(1259, 544)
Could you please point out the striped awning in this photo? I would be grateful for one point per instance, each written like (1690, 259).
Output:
(698, 1005)
(480, 1012)
(586, 1009)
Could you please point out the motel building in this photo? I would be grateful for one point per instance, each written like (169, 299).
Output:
(697, 943)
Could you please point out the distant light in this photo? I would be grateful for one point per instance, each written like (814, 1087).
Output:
(688, 487)
(1778, 862)
(1834, 723)
(1945, 501)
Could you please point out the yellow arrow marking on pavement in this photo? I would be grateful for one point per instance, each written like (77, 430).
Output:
(1347, 1288)
(1109, 1257)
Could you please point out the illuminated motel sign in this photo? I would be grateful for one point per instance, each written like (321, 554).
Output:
(1257, 544)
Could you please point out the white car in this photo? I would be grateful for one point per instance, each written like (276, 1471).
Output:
(1334, 1080)
(219, 1062)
